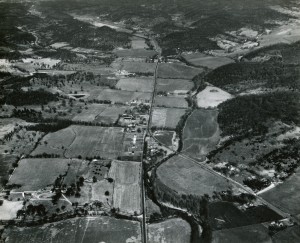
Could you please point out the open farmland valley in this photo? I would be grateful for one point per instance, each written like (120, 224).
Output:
(149, 121)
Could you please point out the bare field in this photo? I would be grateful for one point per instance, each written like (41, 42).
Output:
(127, 191)
(165, 101)
(185, 177)
(166, 117)
(174, 85)
(177, 70)
(84, 141)
(203, 60)
(211, 97)
(90, 229)
(141, 84)
(174, 230)
(201, 133)
(247, 234)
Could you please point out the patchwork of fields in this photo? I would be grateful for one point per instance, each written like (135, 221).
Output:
(177, 71)
(166, 117)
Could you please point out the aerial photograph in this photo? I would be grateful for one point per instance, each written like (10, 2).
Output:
(149, 121)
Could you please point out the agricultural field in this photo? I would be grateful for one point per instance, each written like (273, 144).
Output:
(174, 85)
(211, 97)
(122, 96)
(127, 186)
(203, 60)
(174, 230)
(177, 71)
(289, 235)
(185, 177)
(286, 195)
(166, 117)
(246, 234)
(165, 137)
(201, 133)
(141, 84)
(82, 141)
(138, 43)
(100, 113)
(137, 67)
(167, 101)
(90, 229)
(135, 53)
(6, 165)
(8, 209)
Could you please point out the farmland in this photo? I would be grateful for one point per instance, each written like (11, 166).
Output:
(247, 234)
(137, 67)
(201, 133)
(122, 96)
(175, 102)
(171, 230)
(141, 84)
(174, 85)
(185, 177)
(127, 191)
(165, 137)
(68, 142)
(135, 53)
(166, 117)
(177, 71)
(203, 60)
(211, 97)
(91, 229)
(289, 235)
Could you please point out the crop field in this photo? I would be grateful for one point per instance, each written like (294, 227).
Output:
(174, 85)
(286, 195)
(90, 229)
(35, 174)
(127, 191)
(174, 230)
(203, 60)
(176, 70)
(134, 67)
(211, 97)
(141, 84)
(8, 210)
(122, 96)
(201, 133)
(107, 114)
(185, 177)
(135, 53)
(165, 137)
(84, 141)
(166, 117)
(175, 102)
(6, 161)
(246, 234)
(138, 43)
(289, 235)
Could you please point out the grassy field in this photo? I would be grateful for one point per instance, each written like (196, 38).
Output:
(107, 114)
(91, 229)
(6, 162)
(203, 60)
(286, 195)
(166, 117)
(174, 230)
(177, 71)
(211, 97)
(134, 67)
(289, 235)
(84, 141)
(174, 85)
(135, 53)
(141, 84)
(248, 234)
(185, 177)
(165, 137)
(175, 102)
(201, 133)
(127, 191)
(122, 96)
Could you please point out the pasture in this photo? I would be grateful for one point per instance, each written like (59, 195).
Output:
(135, 52)
(166, 117)
(174, 85)
(174, 230)
(127, 191)
(286, 195)
(122, 96)
(211, 97)
(89, 229)
(138, 43)
(8, 210)
(177, 71)
(165, 137)
(84, 141)
(246, 234)
(289, 235)
(137, 67)
(185, 177)
(166, 101)
(203, 60)
(201, 133)
(141, 84)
